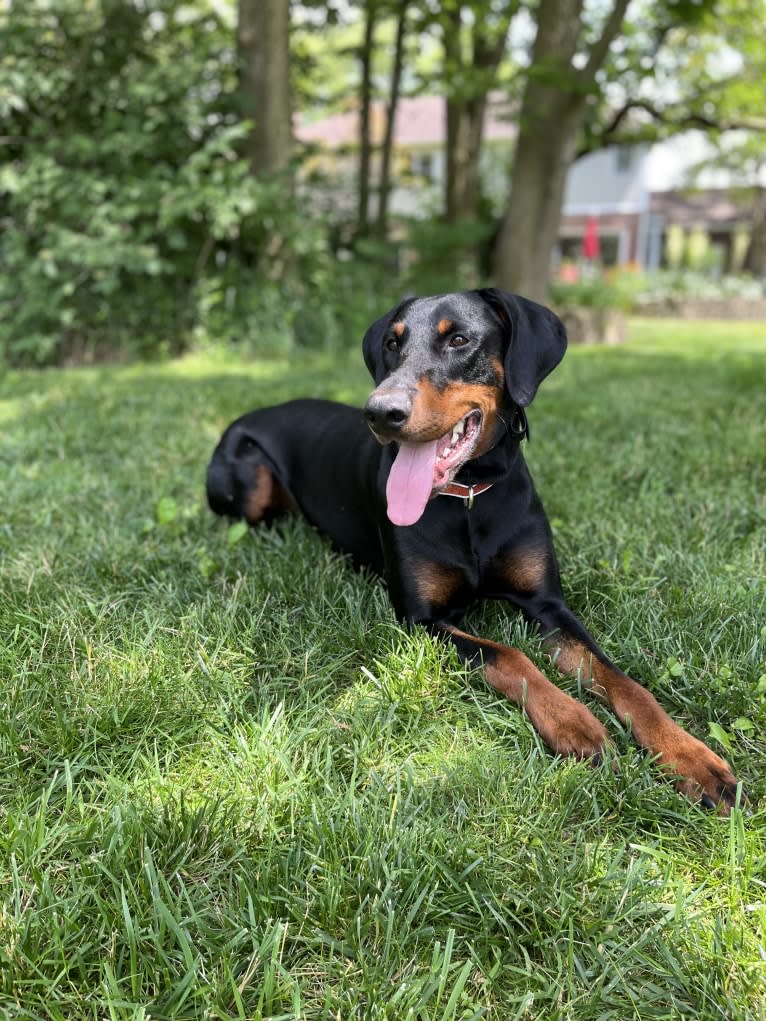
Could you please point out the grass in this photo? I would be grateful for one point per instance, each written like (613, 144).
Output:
(232, 787)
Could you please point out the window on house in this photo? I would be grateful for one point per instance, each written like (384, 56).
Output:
(423, 165)
(624, 158)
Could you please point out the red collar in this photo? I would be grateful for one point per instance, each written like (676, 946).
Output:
(466, 493)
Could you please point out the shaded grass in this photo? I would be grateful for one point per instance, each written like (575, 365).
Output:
(231, 786)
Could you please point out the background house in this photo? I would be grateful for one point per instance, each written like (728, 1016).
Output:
(635, 193)
(612, 186)
(639, 193)
(419, 164)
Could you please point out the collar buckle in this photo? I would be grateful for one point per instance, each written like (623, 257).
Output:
(466, 493)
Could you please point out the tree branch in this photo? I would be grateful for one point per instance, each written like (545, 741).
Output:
(600, 46)
(488, 51)
(673, 117)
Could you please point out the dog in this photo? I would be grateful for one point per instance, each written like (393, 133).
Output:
(428, 487)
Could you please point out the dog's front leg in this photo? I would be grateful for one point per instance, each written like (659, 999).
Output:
(699, 771)
(437, 595)
(566, 726)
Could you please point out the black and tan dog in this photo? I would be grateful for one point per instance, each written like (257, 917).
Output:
(429, 488)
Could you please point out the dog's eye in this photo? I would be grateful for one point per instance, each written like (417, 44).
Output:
(392, 345)
(458, 340)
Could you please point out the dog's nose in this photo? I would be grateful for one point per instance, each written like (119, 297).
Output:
(388, 410)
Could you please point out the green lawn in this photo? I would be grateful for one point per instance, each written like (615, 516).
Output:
(232, 787)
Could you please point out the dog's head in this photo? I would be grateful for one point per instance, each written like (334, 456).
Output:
(451, 372)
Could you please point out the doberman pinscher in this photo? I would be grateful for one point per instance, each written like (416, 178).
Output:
(429, 488)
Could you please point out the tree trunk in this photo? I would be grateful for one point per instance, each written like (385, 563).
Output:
(529, 230)
(365, 104)
(263, 29)
(552, 114)
(757, 257)
(465, 133)
(456, 150)
(388, 139)
(465, 113)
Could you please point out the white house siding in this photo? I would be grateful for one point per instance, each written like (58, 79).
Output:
(612, 185)
(613, 180)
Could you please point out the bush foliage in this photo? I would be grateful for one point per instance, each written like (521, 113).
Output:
(127, 211)
(631, 290)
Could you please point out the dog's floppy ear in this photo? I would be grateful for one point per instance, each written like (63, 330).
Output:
(372, 346)
(536, 344)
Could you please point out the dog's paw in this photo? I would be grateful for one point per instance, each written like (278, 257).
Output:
(570, 728)
(702, 775)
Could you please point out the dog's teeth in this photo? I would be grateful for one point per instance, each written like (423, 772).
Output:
(457, 432)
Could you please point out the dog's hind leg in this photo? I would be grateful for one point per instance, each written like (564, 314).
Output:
(241, 482)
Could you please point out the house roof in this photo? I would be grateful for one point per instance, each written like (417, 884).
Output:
(707, 206)
(420, 120)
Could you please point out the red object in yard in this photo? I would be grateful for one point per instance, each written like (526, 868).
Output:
(591, 246)
(569, 273)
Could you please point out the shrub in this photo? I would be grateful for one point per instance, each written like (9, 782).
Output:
(103, 101)
(675, 245)
(130, 224)
(611, 290)
(674, 285)
(441, 253)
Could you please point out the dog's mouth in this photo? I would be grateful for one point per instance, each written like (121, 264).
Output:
(421, 470)
(455, 448)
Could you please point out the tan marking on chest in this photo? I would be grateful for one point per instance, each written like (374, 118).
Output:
(436, 583)
(524, 570)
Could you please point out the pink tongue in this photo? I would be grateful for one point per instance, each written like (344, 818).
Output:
(410, 482)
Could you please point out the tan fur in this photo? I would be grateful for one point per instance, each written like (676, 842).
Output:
(436, 583)
(525, 570)
(435, 412)
(566, 726)
(267, 494)
(676, 751)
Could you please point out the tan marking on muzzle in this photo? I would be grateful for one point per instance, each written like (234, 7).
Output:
(435, 412)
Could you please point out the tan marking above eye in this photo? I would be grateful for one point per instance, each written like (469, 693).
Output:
(444, 326)
(399, 329)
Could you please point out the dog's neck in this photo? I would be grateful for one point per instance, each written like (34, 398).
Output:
(497, 462)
